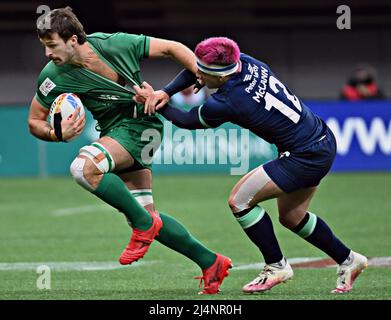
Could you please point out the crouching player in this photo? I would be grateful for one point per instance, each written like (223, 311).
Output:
(100, 69)
(251, 96)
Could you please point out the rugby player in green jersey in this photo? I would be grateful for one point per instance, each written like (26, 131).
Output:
(101, 69)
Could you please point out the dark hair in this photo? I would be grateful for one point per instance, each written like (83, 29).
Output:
(64, 22)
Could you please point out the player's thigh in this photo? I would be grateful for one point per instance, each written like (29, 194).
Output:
(256, 186)
(293, 206)
(269, 191)
(121, 157)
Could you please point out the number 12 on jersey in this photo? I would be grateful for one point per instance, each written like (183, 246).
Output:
(273, 102)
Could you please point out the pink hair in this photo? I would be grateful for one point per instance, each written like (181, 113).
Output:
(218, 50)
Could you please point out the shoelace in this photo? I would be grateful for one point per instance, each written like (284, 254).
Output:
(202, 279)
(206, 288)
(136, 254)
(263, 275)
(139, 236)
(341, 281)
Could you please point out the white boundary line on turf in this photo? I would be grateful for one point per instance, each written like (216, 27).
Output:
(260, 265)
(372, 262)
(81, 209)
(379, 261)
(71, 266)
(113, 265)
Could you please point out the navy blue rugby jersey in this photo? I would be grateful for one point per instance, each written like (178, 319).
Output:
(256, 100)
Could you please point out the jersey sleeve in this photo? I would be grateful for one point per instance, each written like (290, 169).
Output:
(214, 112)
(136, 45)
(182, 119)
(46, 89)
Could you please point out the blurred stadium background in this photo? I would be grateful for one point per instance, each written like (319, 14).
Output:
(46, 218)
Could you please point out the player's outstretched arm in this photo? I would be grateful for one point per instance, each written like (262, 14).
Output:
(155, 100)
(182, 119)
(161, 48)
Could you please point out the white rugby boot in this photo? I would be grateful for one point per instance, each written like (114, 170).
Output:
(347, 273)
(270, 276)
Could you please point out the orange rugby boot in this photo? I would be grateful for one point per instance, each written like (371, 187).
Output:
(214, 275)
(141, 240)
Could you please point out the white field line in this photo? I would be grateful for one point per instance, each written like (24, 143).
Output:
(372, 262)
(112, 265)
(380, 261)
(260, 265)
(82, 209)
(70, 266)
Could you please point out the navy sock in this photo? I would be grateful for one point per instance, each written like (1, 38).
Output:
(258, 226)
(314, 230)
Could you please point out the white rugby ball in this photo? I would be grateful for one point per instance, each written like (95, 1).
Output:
(65, 103)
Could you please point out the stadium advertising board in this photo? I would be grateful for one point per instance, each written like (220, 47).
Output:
(362, 130)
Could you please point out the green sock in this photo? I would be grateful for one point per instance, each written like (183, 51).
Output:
(175, 236)
(113, 191)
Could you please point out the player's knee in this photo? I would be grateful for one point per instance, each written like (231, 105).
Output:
(99, 156)
(236, 203)
(76, 168)
(245, 194)
(92, 163)
(231, 203)
(78, 172)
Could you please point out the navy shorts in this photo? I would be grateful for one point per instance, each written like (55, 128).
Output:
(304, 168)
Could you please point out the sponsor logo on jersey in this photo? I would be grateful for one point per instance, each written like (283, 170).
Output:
(247, 77)
(258, 80)
(251, 71)
(108, 97)
(254, 75)
(46, 86)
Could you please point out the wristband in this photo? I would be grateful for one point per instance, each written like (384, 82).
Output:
(198, 85)
(183, 80)
(57, 126)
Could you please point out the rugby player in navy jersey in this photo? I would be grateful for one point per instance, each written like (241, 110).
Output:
(251, 96)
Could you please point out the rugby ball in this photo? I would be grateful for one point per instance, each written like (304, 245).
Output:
(65, 103)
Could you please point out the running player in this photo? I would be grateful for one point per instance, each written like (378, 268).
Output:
(251, 96)
(101, 69)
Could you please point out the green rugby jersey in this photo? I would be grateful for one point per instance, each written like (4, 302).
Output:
(108, 101)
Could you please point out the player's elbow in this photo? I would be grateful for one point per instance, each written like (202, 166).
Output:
(31, 126)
